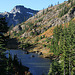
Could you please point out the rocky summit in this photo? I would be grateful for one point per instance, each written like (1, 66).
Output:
(18, 15)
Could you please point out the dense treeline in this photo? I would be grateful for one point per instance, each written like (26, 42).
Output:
(63, 47)
(12, 67)
(7, 65)
(3, 29)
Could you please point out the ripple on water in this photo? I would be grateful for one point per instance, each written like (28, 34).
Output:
(37, 65)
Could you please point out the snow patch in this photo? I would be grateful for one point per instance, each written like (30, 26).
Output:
(30, 13)
(15, 11)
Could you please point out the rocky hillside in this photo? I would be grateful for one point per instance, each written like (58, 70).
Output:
(18, 15)
(38, 30)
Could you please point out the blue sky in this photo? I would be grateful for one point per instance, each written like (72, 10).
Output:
(7, 5)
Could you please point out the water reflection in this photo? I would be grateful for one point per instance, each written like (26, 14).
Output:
(37, 65)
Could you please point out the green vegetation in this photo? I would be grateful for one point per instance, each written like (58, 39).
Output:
(66, 8)
(47, 10)
(32, 33)
(36, 33)
(25, 45)
(39, 20)
(37, 39)
(3, 29)
(70, 1)
(11, 27)
(41, 37)
(63, 47)
(60, 6)
(48, 45)
(63, 40)
(64, 11)
(7, 65)
(3, 61)
(30, 24)
(3, 25)
(51, 5)
(43, 11)
(47, 40)
(44, 45)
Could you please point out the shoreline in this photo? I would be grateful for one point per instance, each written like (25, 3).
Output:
(40, 53)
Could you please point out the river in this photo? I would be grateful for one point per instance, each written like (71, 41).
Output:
(37, 65)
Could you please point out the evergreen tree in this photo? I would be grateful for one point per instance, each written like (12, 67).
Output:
(3, 62)
(47, 10)
(3, 29)
(43, 11)
(55, 68)
(63, 47)
(3, 25)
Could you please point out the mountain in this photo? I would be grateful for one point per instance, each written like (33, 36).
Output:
(38, 30)
(18, 15)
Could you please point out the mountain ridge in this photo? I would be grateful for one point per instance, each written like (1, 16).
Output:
(18, 14)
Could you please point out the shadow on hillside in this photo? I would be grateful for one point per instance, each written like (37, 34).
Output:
(12, 43)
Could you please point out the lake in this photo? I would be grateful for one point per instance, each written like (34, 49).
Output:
(37, 65)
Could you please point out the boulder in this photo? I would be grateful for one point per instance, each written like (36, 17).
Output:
(38, 31)
(37, 51)
(26, 52)
(32, 56)
(26, 34)
(23, 27)
(17, 28)
(42, 30)
(40, 53)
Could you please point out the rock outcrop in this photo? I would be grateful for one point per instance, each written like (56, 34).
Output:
(18, 15)
(17, 28)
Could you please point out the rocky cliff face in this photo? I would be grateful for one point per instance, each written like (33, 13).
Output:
(18, 14)
(41, 22)
(38, 30)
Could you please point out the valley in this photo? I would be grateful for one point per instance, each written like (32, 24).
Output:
(43, 40)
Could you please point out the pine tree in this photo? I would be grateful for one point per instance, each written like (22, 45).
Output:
(43, 11)
(55, 68)
(65, 50)
(3, 29)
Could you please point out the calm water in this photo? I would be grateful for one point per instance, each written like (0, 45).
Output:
(37, 65)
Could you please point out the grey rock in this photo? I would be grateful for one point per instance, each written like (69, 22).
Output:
(26, 52)
(17, 28)
(32, 56)
(26, 34)
(18, 15)
(40, 53)
(38, 31)
(23, 27)
(37, 51)
(33, 30)
(42, 30)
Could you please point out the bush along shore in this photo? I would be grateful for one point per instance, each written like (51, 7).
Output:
(9, 66)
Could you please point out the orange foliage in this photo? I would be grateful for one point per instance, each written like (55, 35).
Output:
(73, 20)
(51, 54)
(49, 32)
(25, 21)
(67, 24)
